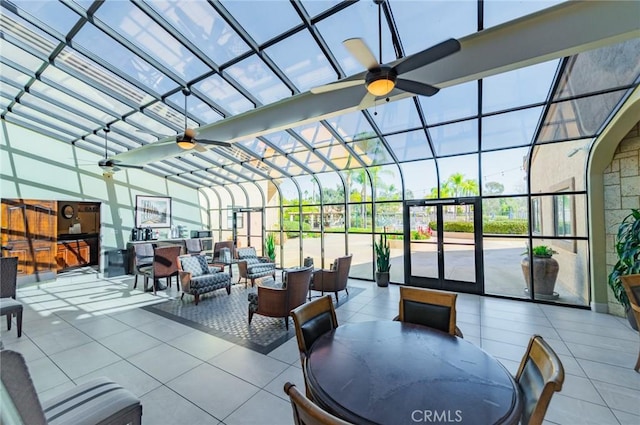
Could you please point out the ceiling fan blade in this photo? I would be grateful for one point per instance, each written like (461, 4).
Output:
(427, 56)
(198, 147)
(367, 101)
(336, 86)
(214, 143)
(359, 50)
(138, 167)
(416, 87)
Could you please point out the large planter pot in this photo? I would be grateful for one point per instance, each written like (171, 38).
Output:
(382, 278)
(632, 320)
(545, 273)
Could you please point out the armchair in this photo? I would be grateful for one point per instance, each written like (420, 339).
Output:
(8, 281)
(142, 260)
(251, 267)
(198, 278)
(273, 301)
(165, 265)
(333, 280)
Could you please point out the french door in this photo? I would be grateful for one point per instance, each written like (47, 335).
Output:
(443, 244)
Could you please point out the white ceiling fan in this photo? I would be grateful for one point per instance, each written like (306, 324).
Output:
(381, 79)
(110, 165)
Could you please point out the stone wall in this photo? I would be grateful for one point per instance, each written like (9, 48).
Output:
(621, 194)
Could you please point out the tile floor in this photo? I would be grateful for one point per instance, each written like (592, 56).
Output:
(81, 326)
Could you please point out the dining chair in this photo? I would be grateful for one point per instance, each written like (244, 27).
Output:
(305, 412)
(143, 259)
(428, 307)
(165, 265)
(313, 320)
(9, 306)
(540, 375)
(631, 284)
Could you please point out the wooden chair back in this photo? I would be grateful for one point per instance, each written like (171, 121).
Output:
(540, 375)
(428, 307)
(165, 261)
(297, 287)
(631, 284)
(305, 412)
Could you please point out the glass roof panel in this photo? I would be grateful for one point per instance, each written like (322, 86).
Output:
(410, 146)
(578, 118)
(456, 138)
(245, 171)
(149, 125)
(281, 139)
(53, 122)
(84, 90)
(45, 91)
(61, 113)
(359, 20)
(137, 27)
(134, 136)
(204, 27)
(422, 24)
(311, 161)
(600, 69)
(451, 103)
(251, 15)
(43, 10)
(224, 94)
(19, 56)
(351, 126)
(316, 134)
(371, 151)
(10, 74)
(302, 61)
(339, 156)
(202, 112)
(500, 11)
(524, 86)
(109, 82)
(314, 7)
(97, 42)
(40, 42)
(397, 116)
(510, 129)
(256, 77)
(260, 148)
(282, 162)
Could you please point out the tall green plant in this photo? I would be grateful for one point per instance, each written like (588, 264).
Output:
(628, 250)
(270, 246)
(383, 253)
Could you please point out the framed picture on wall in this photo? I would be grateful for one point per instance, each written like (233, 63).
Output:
(153, 211)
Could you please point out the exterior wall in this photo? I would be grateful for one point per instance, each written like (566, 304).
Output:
(34, 166)
(621, 194)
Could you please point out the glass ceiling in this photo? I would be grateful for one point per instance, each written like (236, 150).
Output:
(70, 68)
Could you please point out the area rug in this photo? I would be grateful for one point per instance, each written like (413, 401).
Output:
(226, 316)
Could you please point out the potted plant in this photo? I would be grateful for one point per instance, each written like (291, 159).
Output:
(383, 257)
(270, 247)
(545, 271)
(627, 246)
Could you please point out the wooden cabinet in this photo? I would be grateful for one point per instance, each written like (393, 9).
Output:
(77, 253)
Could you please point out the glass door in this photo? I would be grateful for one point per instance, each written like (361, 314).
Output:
(443, 244)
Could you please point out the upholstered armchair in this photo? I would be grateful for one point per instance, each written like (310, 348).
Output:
(252, 267)
(198, 278)
(277, 301)
(335, 279)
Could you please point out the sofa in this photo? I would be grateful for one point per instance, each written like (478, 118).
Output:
(197, 277)
(252, 267)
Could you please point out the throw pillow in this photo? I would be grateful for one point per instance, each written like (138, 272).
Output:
(204, 267)
(192, 265)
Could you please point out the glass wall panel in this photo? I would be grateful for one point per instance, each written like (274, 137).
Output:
(505, 216)
(361, 246)
(560, 215)
(510, 129)
(386, 182)
(389, 217)
(290, 193)
(309, 188)
(503, 172)
(419, 178)
(458, 177)
(334, 247)
(254, 196)
(333, 216)
(273, 195)
(456, 138)
(566, 159)
(291, 249)
(332, 188)
(360, 218)
(502, 269)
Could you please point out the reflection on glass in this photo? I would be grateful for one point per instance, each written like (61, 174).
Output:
(502, 270)
(458, 247)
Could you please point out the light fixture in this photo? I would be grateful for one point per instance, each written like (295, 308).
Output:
(381, 82)
(186, 143)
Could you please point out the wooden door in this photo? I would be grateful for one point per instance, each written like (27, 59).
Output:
(29, 229)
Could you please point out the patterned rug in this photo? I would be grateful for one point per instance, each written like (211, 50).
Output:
(226, 316)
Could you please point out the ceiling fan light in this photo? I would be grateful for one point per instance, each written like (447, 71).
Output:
(186, 144)
(381, 82)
